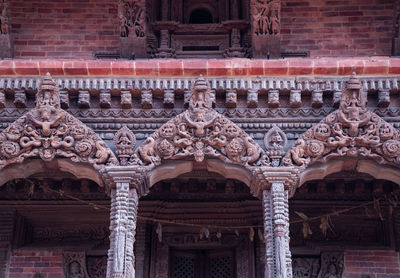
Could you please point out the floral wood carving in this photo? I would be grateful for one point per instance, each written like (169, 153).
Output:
(200, 132)
(266, 17)
(47, 132)
(132, 18)
(124, 142)
(351, 131)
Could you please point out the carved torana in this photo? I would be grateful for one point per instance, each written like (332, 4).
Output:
(49, 132)
(351, 131)
(199, 132)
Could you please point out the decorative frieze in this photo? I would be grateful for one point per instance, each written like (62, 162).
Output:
(2, 99)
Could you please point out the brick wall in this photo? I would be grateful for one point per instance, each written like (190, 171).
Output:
(25, 264)
(77, 28)
(338, 28)
(372, 264)
(64, 28)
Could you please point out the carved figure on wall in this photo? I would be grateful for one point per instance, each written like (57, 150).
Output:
(199, 132)
(4, 22)
(266, 17)
(332, 265)
(305, 267)
(351, 131)
(74, 265)
(48, 132)
(132, 18)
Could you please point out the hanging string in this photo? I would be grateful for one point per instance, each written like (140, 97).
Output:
(230, 228)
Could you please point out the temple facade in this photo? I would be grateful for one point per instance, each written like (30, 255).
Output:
(199, 139)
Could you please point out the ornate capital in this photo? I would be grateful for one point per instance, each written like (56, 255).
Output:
(133, 175)
(265, 177)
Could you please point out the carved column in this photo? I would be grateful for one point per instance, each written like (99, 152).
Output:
(265, 28)
(125, 192)
(275, 184)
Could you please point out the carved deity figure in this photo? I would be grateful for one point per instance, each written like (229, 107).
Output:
(266, 20)
(4, 19)
(132, 18)
(332, 272)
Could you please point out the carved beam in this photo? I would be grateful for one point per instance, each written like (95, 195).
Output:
(20, 99)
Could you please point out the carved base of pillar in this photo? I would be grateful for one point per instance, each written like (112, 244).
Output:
(396, 47)
(265, 46)
(6, 49)
(133, 46)
(165, 53)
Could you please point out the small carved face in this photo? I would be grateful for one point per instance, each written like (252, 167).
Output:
(231, 130)
(126, 98)
(252, 97)
(322, 131)
(273, 97)
(385, 131)
(146, 97)
(317, 97)
(276, 140)
(75, 270)
(169, 97)
(295, 97)
(231, 97)
(84, 97)
(168, 131)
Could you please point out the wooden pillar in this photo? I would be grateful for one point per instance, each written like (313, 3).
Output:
(125, 191)
(275, 183)
(266, 28)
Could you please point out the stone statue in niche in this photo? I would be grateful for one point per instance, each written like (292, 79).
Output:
(266, 17)
(74, 265)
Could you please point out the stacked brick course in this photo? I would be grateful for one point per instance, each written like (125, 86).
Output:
(338, 28)
(371, 264)
(25, 264)
(63, 28)
(78, 28)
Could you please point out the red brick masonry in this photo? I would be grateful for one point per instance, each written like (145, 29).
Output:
(25, 264)
(213, 67)
(371, 264)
